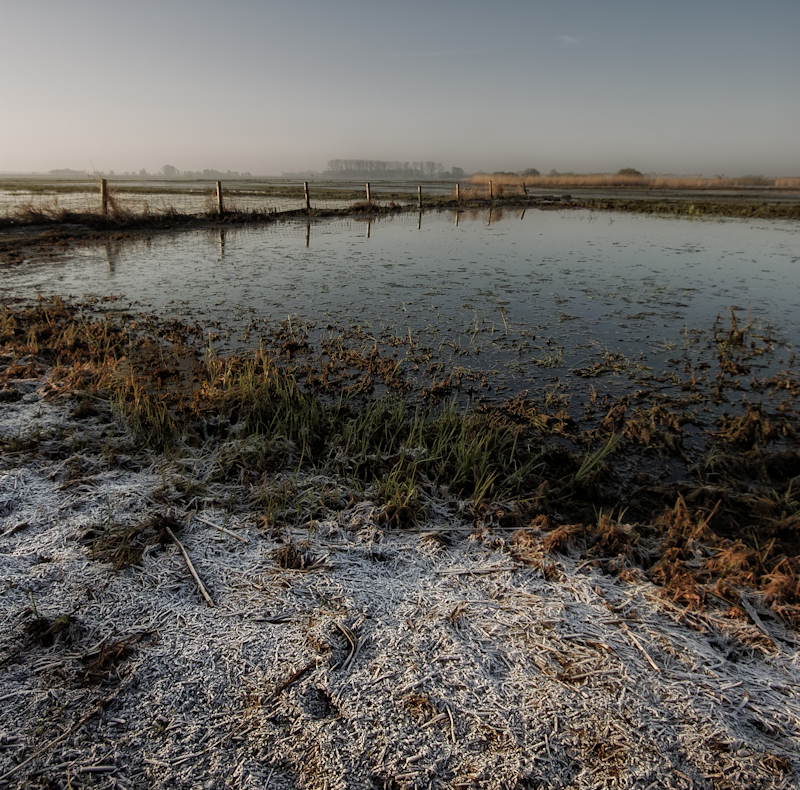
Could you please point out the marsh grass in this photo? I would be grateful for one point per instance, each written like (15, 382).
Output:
(267, 429)
(592, 460)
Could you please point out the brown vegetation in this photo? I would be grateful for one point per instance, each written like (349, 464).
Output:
(732, 522)
(627, 180)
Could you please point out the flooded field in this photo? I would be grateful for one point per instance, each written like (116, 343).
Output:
(585, 360)
(508, 301)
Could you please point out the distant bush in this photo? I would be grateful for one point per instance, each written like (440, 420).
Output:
(628, 171)
(530, 171)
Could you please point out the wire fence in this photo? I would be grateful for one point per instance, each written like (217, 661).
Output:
(188, 197)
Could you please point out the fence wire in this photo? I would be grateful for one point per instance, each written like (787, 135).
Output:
(164, 197)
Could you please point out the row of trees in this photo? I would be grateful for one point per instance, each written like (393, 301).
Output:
(168, 171)
(379, 168)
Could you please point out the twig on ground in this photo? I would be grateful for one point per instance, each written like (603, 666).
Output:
(293, 678)
(228, 532)
(638, 644)
(196, 578)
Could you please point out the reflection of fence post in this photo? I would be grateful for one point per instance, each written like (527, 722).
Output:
(103, 196)
(368, 197)
(491, 191)
(458, 196)
(419, 197)
(305, 192)
(220, 207)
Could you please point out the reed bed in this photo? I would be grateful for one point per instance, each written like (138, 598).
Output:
(621, 181)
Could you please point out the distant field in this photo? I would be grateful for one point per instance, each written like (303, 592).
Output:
(632, 181)
(67, 200)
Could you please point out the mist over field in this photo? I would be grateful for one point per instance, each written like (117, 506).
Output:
(681, 89)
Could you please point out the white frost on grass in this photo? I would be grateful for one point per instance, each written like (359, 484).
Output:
(402, 659)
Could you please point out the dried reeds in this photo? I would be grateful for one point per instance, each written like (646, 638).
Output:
(626, 180)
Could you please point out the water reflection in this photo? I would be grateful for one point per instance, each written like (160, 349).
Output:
(113, 250)
(602, 301)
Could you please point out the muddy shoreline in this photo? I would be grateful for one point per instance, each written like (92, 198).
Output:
(348, 409)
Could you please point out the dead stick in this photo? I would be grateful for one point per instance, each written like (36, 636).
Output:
(222, 529)
(638, 644)
(292, 678)
(189, 565)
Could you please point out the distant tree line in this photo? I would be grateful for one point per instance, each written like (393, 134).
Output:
(379, 168)
(168, 171)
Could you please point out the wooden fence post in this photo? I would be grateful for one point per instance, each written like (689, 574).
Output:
(524, 189)
(368, 197)
(104, 196)
(458, 196)
(419, 197)
(220, 207)
(491, 191)
(305, 192)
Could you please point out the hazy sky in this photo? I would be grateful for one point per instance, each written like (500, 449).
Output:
(707, 86)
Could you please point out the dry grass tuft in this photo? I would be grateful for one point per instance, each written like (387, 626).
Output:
(562, 537)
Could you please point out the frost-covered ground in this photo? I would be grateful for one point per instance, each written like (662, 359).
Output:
(440, 657)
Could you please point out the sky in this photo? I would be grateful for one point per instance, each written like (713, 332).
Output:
(703, 87)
